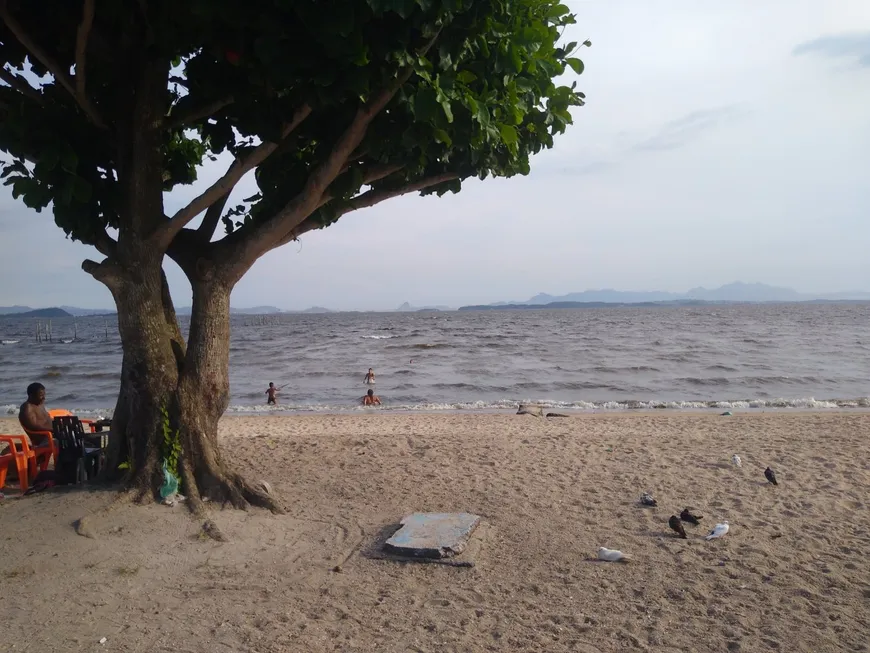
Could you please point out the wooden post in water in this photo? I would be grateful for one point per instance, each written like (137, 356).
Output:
(37, 331)
(49, 330)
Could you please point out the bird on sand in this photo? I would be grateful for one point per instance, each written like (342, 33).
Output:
(612, 555)
(677, 526)
(719, 530)
(736, 460)
(770, 476)
(647, 499)
(688, 516)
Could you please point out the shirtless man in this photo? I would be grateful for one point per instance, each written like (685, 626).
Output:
(272, 392)
(370, 399)
(33, 415)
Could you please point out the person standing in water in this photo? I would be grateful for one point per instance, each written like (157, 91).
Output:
(272, 392)
(370, 377)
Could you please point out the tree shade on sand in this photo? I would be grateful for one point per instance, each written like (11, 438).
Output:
(337, 105)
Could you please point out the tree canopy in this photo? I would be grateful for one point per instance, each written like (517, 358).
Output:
(337, 104)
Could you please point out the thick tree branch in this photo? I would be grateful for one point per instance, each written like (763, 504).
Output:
(20, 84)
(107, 272)
(82, 35)
(368, 199)
(198, 113)
(105, 244)
(223, 186)
(53, 67)
(264, 236)
(376, 196)
(212, 218)
(371, 175)
(248, 245)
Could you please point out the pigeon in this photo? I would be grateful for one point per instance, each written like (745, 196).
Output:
(736, 460)
(719, 530)
(647, 499)
(770, 476)
(612, 555)
(687, 515)
(677, 526)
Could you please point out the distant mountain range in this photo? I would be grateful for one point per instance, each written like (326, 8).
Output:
(732, 292)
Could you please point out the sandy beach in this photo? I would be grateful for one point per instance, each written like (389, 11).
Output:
(792, 575)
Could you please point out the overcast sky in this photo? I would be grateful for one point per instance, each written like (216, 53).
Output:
(721, 141)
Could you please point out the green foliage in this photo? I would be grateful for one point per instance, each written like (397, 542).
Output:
(171, 450)
(483, 98)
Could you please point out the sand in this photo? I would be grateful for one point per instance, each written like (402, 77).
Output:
(792, 575)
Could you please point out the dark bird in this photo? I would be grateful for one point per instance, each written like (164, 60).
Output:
(677, 526)
(770, 476)
(687, 516)
(646, 499)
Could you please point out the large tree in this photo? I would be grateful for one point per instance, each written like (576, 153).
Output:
(336, 105)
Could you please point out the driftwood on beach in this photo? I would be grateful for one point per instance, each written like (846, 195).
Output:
(537, 411)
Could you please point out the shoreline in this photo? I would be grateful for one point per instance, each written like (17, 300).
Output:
(822, 407)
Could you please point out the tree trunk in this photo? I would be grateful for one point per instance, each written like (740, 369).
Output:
(202, 397)
(153, 349)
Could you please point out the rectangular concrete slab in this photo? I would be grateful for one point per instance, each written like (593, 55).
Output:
(433, 534)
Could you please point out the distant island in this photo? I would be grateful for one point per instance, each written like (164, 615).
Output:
(732, 293)
(39, 312)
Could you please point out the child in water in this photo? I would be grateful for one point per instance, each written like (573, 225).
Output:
(272, 392)
(370, 377)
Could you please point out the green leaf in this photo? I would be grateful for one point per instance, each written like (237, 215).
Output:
(466, 76)
(444, 101)
(443, 137)
(508, 135)
(576, 65)
(558, 11)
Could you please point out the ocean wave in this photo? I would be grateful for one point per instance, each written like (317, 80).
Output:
(379, 337)
(806, 403)
(416, 405)
(720, 368)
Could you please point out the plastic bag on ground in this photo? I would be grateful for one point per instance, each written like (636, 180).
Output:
(170, 483)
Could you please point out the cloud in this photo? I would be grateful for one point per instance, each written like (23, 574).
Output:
(681, 132)
(854, 45)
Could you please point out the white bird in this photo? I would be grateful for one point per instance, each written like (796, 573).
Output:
(719, 530)
(736, 460)
(612, 555)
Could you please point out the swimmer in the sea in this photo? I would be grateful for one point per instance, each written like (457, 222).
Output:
(371, 399)
(272, 392)
(370, 377)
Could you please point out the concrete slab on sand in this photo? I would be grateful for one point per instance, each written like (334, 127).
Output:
(433, 534)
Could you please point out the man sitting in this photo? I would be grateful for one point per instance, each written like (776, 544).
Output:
(371, 399)
(33, 415)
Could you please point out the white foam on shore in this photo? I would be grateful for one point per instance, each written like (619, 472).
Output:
(808, 403)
